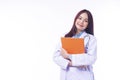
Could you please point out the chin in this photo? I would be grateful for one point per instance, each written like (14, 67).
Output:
(81, 29)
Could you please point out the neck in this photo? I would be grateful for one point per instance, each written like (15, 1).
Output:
(78, 32)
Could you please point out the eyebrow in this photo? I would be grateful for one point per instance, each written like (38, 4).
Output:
(82, 17)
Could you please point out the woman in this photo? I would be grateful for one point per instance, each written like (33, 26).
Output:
(78, 66)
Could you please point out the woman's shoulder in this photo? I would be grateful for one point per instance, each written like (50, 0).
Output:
(93, 37)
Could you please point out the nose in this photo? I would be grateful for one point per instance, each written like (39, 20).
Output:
(81, 21)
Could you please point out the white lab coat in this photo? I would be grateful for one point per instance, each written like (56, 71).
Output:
(88, 59)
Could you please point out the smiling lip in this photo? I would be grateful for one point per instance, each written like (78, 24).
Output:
(80, 25)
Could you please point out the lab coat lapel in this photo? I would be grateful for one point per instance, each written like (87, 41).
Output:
(83, 35)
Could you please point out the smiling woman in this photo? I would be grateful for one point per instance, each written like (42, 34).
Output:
(30, 29)
(82, 22)
(78, 66)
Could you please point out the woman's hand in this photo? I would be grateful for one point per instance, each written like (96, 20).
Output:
(64, 53)
(66, 56)
(70, 63)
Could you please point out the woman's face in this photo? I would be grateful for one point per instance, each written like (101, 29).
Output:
(81, 22)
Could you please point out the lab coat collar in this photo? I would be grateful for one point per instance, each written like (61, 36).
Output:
(83, 34)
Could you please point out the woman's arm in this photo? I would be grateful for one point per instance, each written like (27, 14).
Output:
(87, 58)
(82, 59)
(59, 59)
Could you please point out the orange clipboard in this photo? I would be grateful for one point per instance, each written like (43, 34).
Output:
(73, 45)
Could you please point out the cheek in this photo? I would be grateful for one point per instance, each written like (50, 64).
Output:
(75, 23)
(85, 24)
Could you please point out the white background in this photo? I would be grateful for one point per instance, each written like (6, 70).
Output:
(30, 30)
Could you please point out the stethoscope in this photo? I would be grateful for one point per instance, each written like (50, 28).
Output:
(87, 44)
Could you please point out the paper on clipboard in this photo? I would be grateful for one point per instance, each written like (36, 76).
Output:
(73, 45)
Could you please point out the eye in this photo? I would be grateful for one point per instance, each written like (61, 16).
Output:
(86, 20)
(79, 18)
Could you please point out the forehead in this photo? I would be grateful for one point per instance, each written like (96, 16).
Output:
(84, 15)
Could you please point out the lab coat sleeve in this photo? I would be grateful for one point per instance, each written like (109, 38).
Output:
(58, 59)
(88, 58)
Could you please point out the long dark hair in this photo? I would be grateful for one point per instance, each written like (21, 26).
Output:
(89, 28)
